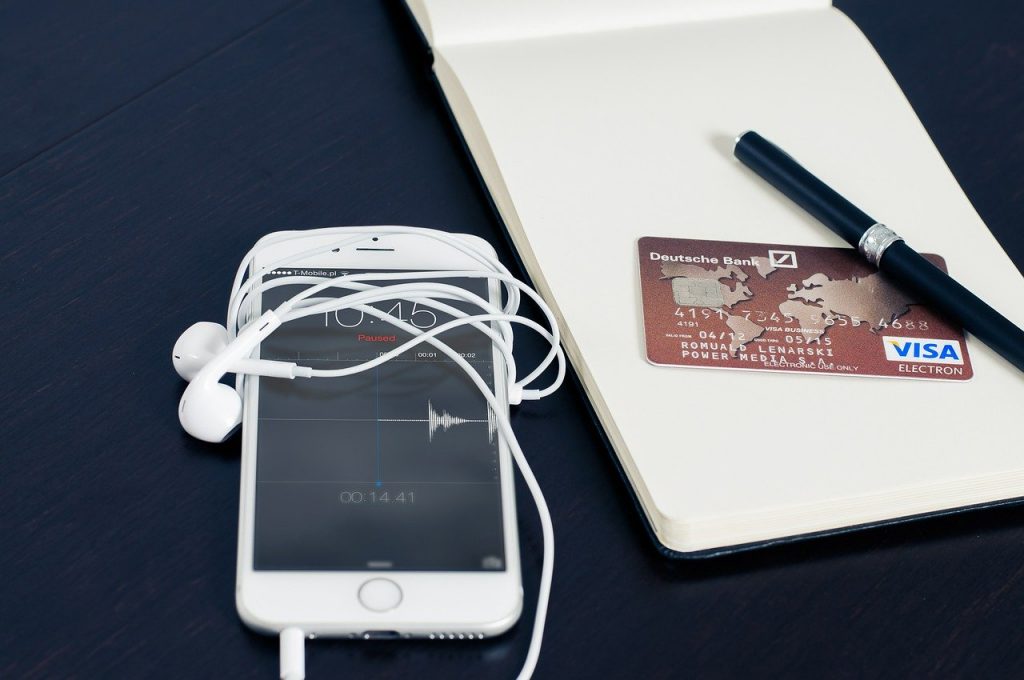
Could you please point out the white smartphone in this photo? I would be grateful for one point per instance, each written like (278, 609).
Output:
(379, 505)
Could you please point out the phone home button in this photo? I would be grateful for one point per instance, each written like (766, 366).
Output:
(380, 594)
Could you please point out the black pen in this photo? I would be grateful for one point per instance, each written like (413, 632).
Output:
(882, 247)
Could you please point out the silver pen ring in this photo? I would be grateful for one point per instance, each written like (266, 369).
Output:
(875, 241)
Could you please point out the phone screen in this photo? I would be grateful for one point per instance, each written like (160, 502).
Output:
(392, 469)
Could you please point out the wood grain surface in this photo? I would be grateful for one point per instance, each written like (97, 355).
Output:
(145, 146)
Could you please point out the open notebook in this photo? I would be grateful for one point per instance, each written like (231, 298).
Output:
(597, 123)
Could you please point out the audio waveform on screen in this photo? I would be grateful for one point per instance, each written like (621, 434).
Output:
(444, 421)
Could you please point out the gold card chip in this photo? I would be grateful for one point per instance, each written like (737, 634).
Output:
(697, 292)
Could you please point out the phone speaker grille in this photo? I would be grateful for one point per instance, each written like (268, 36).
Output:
(455, 636)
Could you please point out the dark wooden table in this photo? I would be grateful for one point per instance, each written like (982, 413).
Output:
(145, 146)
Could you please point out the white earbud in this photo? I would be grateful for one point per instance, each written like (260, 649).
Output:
(204, 340)
(210, 410)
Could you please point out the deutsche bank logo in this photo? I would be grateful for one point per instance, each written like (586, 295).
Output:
(785, 259)
(923, 350)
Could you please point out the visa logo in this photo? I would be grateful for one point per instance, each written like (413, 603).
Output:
(922, 350)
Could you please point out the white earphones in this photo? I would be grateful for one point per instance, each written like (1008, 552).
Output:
(204, 340)
(211, 410)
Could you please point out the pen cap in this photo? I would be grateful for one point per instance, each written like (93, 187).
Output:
(781, 171)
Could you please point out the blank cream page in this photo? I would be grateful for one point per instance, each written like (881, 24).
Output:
(457, 22)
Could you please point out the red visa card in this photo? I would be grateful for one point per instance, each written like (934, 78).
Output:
(758, 306)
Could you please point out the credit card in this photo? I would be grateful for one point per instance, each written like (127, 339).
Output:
(805, 309)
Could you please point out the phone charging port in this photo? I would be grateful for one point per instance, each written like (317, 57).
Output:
(382, 635)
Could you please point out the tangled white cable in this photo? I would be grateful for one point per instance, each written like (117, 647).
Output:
(205, 352)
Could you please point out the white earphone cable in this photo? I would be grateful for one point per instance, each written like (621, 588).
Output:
(422, 289)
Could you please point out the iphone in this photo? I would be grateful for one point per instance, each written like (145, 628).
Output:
(378, 505)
